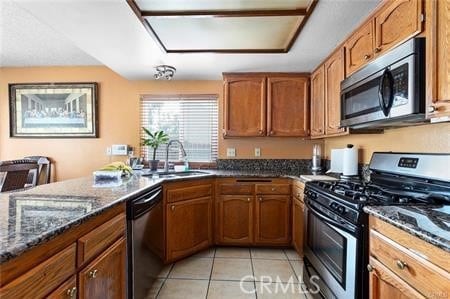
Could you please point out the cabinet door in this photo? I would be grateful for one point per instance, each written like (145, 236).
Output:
(396, 22)
(385, 284)
(298, 210)
(334, 74)
(359, 48)
(105, 276)
(438, 63)
(318, 103)
(188, 227)
(68, 290)
(235, 220)
(273, 220)
(288, 106)
(244, 106)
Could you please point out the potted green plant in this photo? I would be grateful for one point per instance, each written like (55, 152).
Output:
(154, 140)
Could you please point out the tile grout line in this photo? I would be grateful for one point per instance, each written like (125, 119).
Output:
(292, 267)
(253, 272)
(164, 280)
(210, 273)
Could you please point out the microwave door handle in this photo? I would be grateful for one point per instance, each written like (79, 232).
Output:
(386, 91)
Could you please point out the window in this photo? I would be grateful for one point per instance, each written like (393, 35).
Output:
(193, 120)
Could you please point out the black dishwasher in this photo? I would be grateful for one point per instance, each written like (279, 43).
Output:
(144, 241)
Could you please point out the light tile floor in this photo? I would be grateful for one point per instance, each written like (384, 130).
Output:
(229, 272)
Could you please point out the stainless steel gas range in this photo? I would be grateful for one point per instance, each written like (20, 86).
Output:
(336, 246)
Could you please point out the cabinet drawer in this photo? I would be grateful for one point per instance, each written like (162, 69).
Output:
(68, 290)
(44, 278)
(424, 276)
(236, 189)
(100, 238)
(297, 192)
(186, 193)
(273, 189)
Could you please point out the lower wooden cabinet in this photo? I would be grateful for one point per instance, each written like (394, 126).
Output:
(105, 276)
(68, 290)
(188, 227)
(298, 211)
(272, 220)
(235, 220)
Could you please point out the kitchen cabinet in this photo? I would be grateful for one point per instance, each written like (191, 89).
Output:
(404, 266)
(235, 220)
(359, 48)
(188, 227)
(396, 22)
(188, 220)
(51, 270)
(334, 74)
(266, 104)
(318, 103)
(244, 106)
(105, 276)
(438, 53)
(288, 106)
(298, 218)
(272, 220)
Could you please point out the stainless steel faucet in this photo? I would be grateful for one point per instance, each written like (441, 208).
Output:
(166, 164)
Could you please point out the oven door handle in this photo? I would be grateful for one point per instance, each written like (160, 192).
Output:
(328, 220)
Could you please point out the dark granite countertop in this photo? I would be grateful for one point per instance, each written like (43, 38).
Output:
(29, 218)
(430, 223)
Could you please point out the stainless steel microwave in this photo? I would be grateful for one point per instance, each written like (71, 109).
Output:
(389, 91)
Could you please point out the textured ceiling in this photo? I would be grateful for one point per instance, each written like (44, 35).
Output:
(26, 41)
(108, 31)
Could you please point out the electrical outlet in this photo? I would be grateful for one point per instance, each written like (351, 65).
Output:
(108, 151)
(257, 152)
(231, 152)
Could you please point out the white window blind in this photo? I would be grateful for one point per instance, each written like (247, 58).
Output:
(193, 120)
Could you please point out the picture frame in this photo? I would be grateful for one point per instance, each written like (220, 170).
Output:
(53, 110)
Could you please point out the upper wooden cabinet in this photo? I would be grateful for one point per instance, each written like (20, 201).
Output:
(318, 103)
(266, 105)
(396, 22)
(244, 106)
(438, 53)
(334, 74)
(288, 106)
(359, 48)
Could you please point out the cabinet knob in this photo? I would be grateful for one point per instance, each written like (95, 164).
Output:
(431, 109)
(274, 189)
(377, 50)
(72, 293)
(261, 132)
(260, 199)
(248, 199)
(401, 264)
(172, 208)
(299, 194)
(272, 133)
(366, 57)
(93, 273)
(370, 268)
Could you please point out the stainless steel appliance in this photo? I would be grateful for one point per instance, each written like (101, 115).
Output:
(336, 247)
(145, 241)
(389, 91)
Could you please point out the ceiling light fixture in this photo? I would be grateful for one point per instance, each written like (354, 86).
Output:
(164, 71)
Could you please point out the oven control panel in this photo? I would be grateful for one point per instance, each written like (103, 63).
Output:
(408, 162)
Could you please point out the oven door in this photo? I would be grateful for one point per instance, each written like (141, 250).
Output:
(388, 93)
(330, 255)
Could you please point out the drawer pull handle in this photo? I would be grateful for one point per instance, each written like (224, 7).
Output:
(299, 194)
(72, 293)
(377, 50)
(370, 268)
(401, 265)
(172, 208)
(93, 273)
(366, 57)
(274, 189)
(431, 109)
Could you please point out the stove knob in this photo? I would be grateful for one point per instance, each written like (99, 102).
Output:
(341, 210)
(333, 205)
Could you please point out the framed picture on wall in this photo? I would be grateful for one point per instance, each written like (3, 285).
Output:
(53, 110)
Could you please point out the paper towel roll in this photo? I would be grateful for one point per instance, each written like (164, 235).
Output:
(337, 157)
(350, 161)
